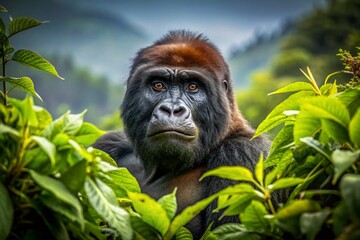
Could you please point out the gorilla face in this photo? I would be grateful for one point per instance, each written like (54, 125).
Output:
(179, 115)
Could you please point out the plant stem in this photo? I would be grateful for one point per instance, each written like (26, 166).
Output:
(3, 74)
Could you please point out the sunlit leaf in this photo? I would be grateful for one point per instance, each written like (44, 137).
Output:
(259, 170)
(315, 144)
(87, 134)
(253, 217)
(236, 173)
(151, 211)
(270, 123)
(232, 231)
(34, 60)
(183, 234)
(285, 183)
(296, 208)
(4, 129)
(21, 24)
(294, 87)
(168, 203)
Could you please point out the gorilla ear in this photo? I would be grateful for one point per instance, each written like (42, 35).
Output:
(226, 86)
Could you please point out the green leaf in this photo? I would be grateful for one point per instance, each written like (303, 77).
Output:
(168, 203)
(342, 160)
(21, 24)
(254, 217)
(283, 138)
(329, 89)
(349, 186)
(73, 122)
(34, 60)
(24, 83)
(236, 173)
(4, 129)
(234, 231)
(328, 108)
(294, 87)
(335, 130)
(103, 200)
(315, 144)
(123, 178)
(311, 78)
(306, 125)
(87, 134)
(26, 108)
(143, 230)
(349, 96)
(237, 204)
(151, 211)
(7, 212)
(310, 223)
(104, 156)
(47, 146)
(59, 190)
(296, 208)
(259, 170)
(3, 9)
(270, 123)
(187, 215)
(354, 129)
(74, 178)
(183, 234)
(285, 183)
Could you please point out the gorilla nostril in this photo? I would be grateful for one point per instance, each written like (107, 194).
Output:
(165, 109)
(179, 111)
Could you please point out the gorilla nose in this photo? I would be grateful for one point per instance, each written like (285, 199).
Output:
(168, 110)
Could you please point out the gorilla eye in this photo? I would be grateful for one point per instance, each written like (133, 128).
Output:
(192, 87)
(158, 86)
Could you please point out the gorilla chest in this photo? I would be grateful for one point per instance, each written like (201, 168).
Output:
(189, 189)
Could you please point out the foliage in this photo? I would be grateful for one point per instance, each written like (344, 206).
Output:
(315, 157)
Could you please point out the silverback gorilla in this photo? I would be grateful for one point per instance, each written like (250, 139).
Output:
(181, 119)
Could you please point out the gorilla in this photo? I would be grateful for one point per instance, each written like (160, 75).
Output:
(181, 120)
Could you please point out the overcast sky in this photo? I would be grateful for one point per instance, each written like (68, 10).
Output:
(227, 23)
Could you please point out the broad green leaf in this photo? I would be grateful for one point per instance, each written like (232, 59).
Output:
(237, 189)
(234, 231)
(187, 215)
(26, 108)
(294, 87)
(277, 157)
(21, 24)
(254, 217)
(103, 200)
(3, 9)
(354, 129)
(44, 119)
(329, 108)
(283, 138)
(123, 178)
(4, 129)
(291, 103)
(259, 170)
(342, 160)
(349, 186)
(151, 211)
(24, 83)
(183, 234)
(334, 131)
(285, 183)
(329, 89)
(270, 123)
(104, 156)
(7, 212)
(296, 208)
(143, 231)
(315, 144)
(87, 134)
(236, 173)
(349, 96)
(168, 203)
(306, 125)
(73, 122)
(237, 204)
(74, 177)
(34, 60)
(47, 146)
(59, 190)
(310, 223)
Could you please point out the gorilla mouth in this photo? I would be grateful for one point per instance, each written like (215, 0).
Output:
(173, 132)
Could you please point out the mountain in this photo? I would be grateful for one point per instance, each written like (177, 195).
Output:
(95, 39)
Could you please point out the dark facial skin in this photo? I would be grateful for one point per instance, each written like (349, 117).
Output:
(176, 134)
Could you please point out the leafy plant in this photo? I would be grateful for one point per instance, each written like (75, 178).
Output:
(22, 56)
(315, 157)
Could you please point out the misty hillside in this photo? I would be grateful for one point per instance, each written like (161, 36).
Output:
(94, 39)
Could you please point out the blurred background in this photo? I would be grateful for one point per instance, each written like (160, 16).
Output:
(91, 43)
